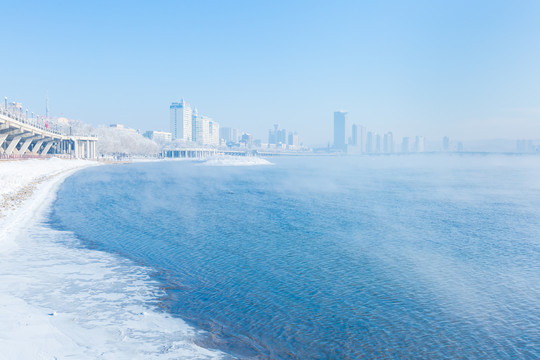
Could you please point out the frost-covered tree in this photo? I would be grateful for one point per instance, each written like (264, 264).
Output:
(114, 141)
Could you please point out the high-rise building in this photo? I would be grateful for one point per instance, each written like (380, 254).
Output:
(277, 136)
(294, 140)
(181, 121)
(340, 130)
(446, 143)
(213, 135)
(235, 133)
(362, 138)
(226, 133)
(369, 142)
(419, 144)
(354, 135)
(202, 129)
(405, 145)
(377, 143)
(388, 146)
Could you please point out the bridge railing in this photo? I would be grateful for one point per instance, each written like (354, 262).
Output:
(47, 125)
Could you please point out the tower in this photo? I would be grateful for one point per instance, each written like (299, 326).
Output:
(340, 130)
(181, 121)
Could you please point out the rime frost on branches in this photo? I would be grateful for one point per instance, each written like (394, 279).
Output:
(113, 141)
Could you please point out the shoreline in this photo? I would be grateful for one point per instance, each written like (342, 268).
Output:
(59, 299)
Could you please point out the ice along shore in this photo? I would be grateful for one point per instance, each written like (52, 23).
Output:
(58, 299)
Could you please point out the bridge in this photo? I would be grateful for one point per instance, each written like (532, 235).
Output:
(22, 136)
(202, 152)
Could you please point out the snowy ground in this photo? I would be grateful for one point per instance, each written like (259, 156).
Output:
(58, 300)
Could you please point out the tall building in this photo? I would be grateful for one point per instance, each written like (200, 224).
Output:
(277, 136)
(272, 134)
(213, 135)
(226, 133)
(235, 133)
(202, 129)
(354, 135)
(181, 121)
(377, 143)
(340, 130)
(369, 142)
(419, 144)
(388, 146)
(446, 143)
(294, 140)
(206, 130)
(405, 145)
(362, 138)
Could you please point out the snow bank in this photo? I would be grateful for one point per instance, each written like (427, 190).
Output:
(59, 300)
(18, 179)
(16, 174)
(235, 161)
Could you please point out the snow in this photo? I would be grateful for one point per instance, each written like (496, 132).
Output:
(60, 300)
(235, 161)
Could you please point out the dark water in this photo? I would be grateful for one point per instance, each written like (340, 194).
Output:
(334, 258)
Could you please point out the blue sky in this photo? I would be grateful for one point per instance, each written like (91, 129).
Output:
(467, 69)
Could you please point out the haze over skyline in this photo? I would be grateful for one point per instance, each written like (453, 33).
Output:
(432, 68)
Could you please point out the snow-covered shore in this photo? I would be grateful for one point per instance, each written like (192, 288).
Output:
(59, 300)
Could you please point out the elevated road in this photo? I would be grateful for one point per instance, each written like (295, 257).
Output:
(21, 136)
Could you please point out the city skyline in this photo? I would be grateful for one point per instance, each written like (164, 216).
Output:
(460, 69)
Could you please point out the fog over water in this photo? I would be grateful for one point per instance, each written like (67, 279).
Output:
(419, 256)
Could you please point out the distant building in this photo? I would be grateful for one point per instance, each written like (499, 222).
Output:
(181, 121)
(340, 130)
(226, 134)
(161, 137)
(294, 140)
(377, 143)
(460, 146)
(388, 145)
(446, 143)
(205, 130)
(277, 136)
(247, 139)
(362, 138)
(213, 135)
(369, 142)
(354, 135)
(405, 145)
(230, 135)
(419, 144)
(123, 128)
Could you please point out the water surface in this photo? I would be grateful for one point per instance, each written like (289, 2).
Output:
(434, 256)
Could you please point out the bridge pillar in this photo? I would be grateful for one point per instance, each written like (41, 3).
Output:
(3, 138)
(47, 148)
(13, 144)
(37, 146)
(27, 143)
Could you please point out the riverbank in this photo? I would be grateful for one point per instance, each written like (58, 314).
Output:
(58, 299)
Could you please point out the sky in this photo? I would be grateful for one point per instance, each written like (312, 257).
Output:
(466, 69)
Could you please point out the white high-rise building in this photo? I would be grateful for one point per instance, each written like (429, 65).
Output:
(213, 133)
(202, 129)
(206, 131)
(181, 121)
